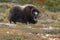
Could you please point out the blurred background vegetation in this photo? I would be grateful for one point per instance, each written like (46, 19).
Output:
(51, 5)
(42, 5)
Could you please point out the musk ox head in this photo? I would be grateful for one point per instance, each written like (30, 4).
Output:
(33, 13)
(25, 14)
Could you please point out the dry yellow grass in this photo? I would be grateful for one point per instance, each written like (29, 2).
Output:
(4, 31)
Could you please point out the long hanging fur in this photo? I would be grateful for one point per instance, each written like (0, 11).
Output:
(22, 14)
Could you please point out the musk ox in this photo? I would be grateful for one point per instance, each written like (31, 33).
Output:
(24, 14)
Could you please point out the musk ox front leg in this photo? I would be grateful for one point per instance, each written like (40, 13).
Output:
(31, 20)
(25, 20)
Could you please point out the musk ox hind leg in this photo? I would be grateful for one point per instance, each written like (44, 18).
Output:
(12, 21)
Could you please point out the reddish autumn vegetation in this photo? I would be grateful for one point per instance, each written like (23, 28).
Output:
(42, 2)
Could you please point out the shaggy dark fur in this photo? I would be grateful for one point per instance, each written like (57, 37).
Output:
(25, 15)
